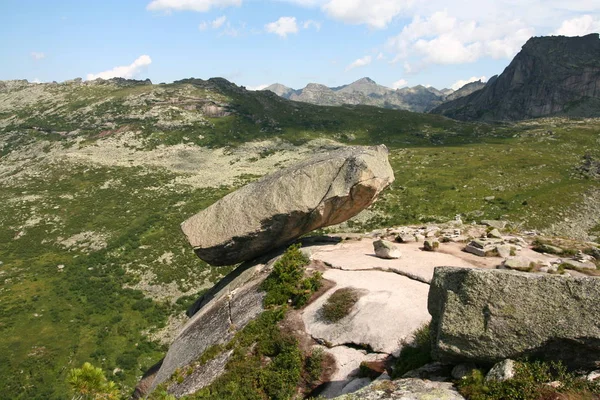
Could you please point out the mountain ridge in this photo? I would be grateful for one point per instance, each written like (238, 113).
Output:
(550, 76)
(366, 91)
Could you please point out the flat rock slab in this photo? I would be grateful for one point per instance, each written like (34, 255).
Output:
(392, 308)
(279, 208)
(347, 362)
(359, 255)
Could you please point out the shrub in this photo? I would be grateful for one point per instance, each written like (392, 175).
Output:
(89, 382)
(339, 304)
(415, 354)
(287, 282)
(313, 365)
(529, 383)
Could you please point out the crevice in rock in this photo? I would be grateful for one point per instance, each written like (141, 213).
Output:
(379, 269)
(230, 314)
(361, 346)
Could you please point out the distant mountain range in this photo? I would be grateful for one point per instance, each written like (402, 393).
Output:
(365, 91)
(552, 75)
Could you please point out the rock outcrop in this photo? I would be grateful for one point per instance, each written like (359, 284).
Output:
(486, 316)
(406, 389)
(553, 75)
(225, 309)
(272, 212)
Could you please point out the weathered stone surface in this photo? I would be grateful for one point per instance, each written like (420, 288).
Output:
(434, 371)
(461, 370)
(201, 377)
(272, 212)
(494, 223)
(387, 250)
(431, 245)
(406, 389)
(486, 316)
(221, 312)
(502, 371)
(391, 308)
(494, 233)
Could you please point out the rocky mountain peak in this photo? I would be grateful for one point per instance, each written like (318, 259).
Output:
(554, 75)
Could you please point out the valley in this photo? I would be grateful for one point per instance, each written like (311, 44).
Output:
(97, 176)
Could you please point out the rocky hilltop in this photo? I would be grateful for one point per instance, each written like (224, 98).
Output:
(553, 75)
(344, 315)
(365, 91)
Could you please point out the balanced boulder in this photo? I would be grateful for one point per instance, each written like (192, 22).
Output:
(486, 316)
(272, 212)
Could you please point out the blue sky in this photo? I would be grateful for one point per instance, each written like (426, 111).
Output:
(294, 42)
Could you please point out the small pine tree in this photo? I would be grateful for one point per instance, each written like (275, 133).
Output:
(89, 383)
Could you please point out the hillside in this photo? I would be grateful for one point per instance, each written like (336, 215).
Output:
(97, 176)
(365, 91)
(551, 76)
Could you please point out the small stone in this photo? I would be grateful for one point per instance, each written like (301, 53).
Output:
(405, 238)
(462, 370)
(502, 371)
(494, 233)
(386, 250)
(504, 251)
(419, 237)
(490, 198)
(593, 376)
(431, 245)
(494, 223)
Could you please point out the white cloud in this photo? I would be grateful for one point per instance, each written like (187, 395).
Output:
(458, 84)
(579, 26)
(38, 55)
(36, 80)
(259, 87)
(361, 62)
(312, 24)
(190, 5)
(216, 24)
(283, 26)
(399, 84)
(380, 56)
(127, 71)
(445, 39)
(408, 69)
(376, 14)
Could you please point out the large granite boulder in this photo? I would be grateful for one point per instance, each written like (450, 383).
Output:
(272, 212)
(486, 316)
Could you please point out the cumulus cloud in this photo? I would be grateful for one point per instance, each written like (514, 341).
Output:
(458, 84)
(259, 87)
(38, 55)
(283, 26)
(126, 71)
(361, 62)
(399, 84)
(215, 24)
(312, 24)
(445, 39)
(579, 26)
(190, 5)
(376, 14)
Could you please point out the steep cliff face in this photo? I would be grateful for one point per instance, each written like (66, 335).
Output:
(553, 75)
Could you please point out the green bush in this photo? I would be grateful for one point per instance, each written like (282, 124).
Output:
(416, 354)
(287, 281)
(529, 383)
(314, 365)
(89, 382)
(339, 304)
